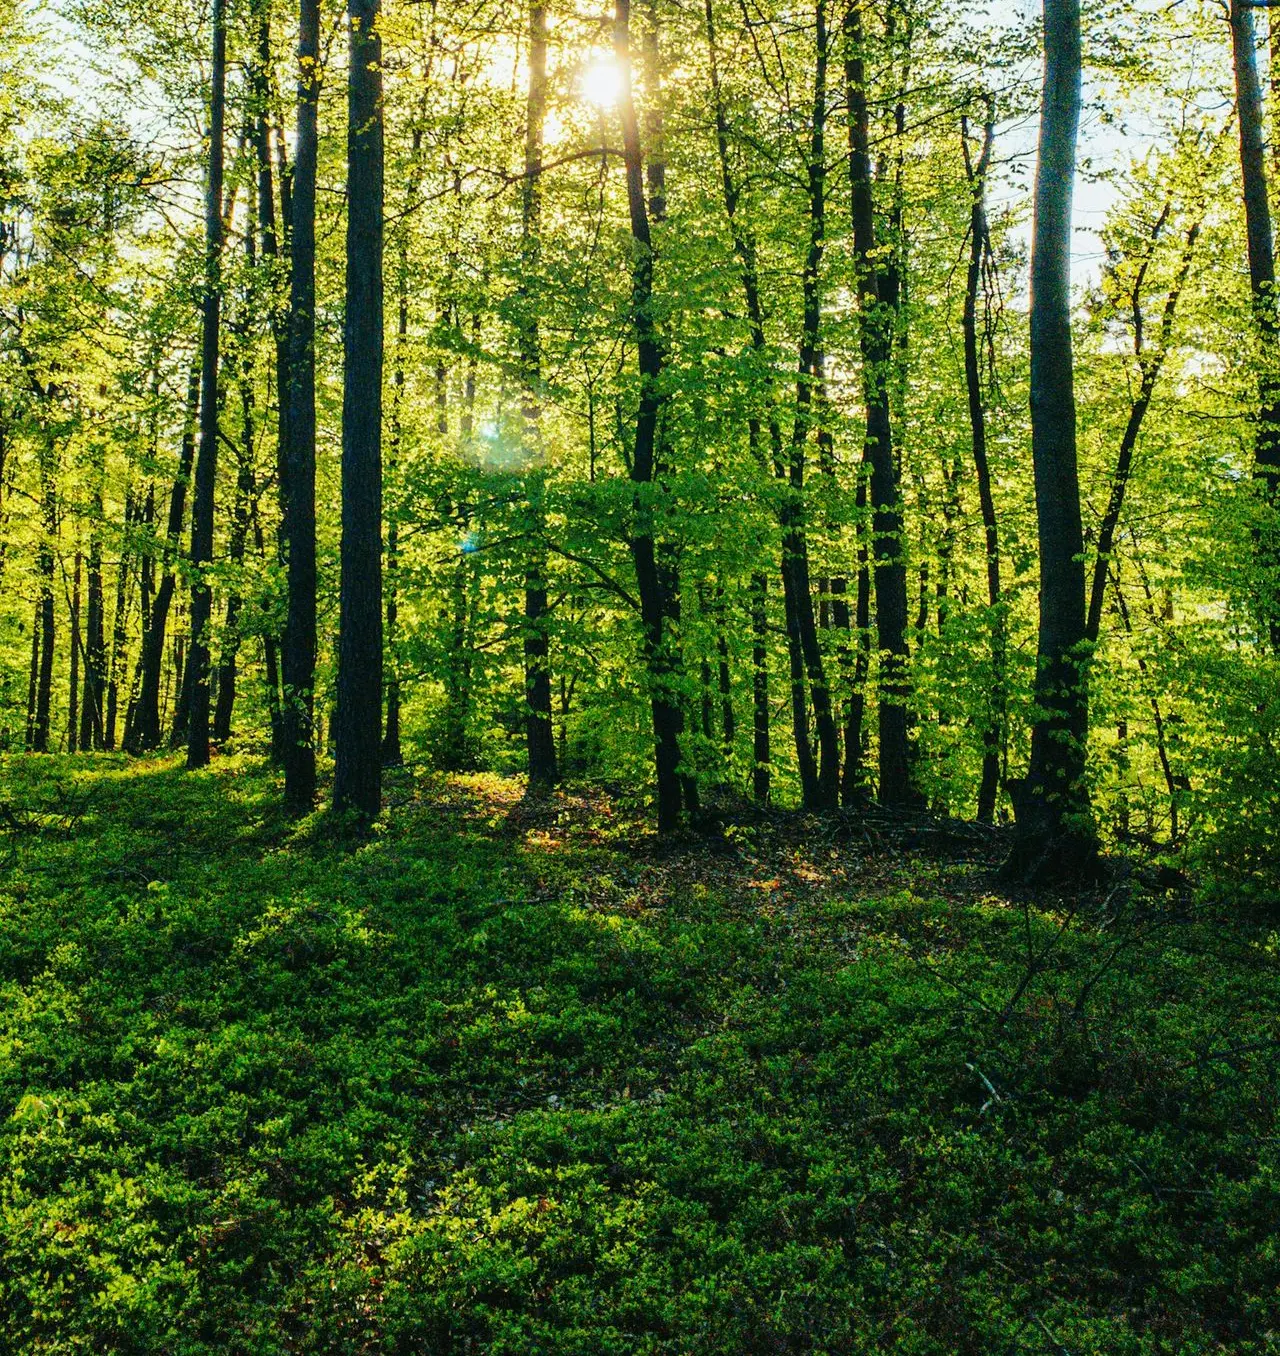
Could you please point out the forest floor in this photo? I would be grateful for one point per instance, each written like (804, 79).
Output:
(511, 1077)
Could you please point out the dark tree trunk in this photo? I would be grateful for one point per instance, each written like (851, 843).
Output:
(77, 644)
(270, 658)
(33, 674)
(1055, 828)
(358, 761)
(279, 290)
(95, 648)
(761, 767)
(853, 782)
(539, 736)
(117, 663)
(143, 733)
(202, 501)
(993, 728)
(878, 298)
(1262, 283)
(392, 755)
(1149, 364)
(298, 426)
(651, 583)
(45, 564)
(821, 791)
(246, 493)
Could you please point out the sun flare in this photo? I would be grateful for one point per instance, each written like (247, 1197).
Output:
(601, 82)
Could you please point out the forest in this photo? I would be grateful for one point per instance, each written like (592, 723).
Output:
(639, 682)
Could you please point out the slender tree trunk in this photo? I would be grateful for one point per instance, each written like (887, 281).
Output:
(118, 660)
(654, 590)
(1149, 364)
(993, 727)
(1262, 283)
(73, 703)
(392, 755)
(46, 562)
(822, 791)
(246, 493)
(34, 674)
(1055, 828)
(202, 502)
(278, 287)
(761, 758)
(878, 296)
(853, 782)
(539, 736)
(358, 762)
(95, 656)
(298, 652)
(143, 733)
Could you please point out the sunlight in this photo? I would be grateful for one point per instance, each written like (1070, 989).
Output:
(601, 82)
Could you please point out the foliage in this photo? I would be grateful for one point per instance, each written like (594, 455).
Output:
(503, 1077)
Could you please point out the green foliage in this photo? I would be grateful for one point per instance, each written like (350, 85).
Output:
(493, 1079)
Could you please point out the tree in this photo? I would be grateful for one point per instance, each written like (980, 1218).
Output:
(1056, 836)
(298, 433)
(358, 759)
(202, 504)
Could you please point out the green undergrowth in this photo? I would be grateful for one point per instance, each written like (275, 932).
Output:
(507, 1079)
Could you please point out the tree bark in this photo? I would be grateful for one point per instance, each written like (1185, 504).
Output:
(358, 761)
(1262, 284)
(298, 426)
(202, 502)
(45, 563)
(993, 728)
(539, 737)
(878, 297)
(651, 584)
(143, 732)
(95, 649)
(73, 703)
(1055, 833)
(1149, 364)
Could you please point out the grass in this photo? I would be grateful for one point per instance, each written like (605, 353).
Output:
(508, 1078)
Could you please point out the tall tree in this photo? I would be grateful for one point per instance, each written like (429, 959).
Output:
(1262, 284)
(979, 248)
(538, 733)
(142, 728)
(1055, 833)
(878, 297)
(298, 428)
(202, 504)
(358, 754)
(653, 583)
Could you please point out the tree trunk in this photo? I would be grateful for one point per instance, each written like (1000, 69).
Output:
(143, 733)
(1149, 365)
(1262, 283)
(358, 770)
(95, 649)
(117, 663)
(45, 562)
(539, 736)
(278, 288)
(761, 769)
(821, 792)
(993, 728)
(202, 503)
(1056, 837)
(878, 297)
(651, 584)
(298, 426)
(73, 702)
(33, 674)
